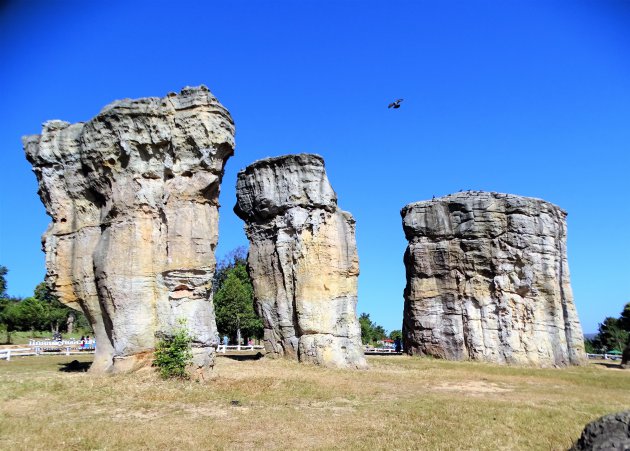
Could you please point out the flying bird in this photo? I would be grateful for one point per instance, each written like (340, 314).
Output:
(395, 104)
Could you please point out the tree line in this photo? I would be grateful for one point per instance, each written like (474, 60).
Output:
(234, 298)
(371, 333)
(233, 304)
(38, 313)
(613, 334)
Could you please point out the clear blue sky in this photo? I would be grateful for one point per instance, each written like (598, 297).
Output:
(523, 97)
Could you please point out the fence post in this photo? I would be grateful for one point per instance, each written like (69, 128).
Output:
(8, 354)
(67, 350)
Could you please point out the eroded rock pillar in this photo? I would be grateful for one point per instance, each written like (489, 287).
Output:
(488, 279)
(302, 260)
(133, 197)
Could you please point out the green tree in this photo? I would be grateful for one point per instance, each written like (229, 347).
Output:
(366, 328)
(624, 318)
(590, 346)
(11, 316)
(173, 354)
(55, 313)
(42, 311)
(234, 299)
(394, 334)
(370, 331)
(611, 335)
(3, 281)
(34, 314)
(230, 260)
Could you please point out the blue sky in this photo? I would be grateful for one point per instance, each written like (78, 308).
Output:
(524, 97)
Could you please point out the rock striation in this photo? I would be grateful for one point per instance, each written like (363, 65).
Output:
(133, 197)
(488, 279)
(302, 261)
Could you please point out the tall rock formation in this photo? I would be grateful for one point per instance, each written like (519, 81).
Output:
(133, 196)
(302, 260)
(488, 279)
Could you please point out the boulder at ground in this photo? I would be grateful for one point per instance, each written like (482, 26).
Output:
(302, 260)
(610, 432)
(488, 279)
(133, 196)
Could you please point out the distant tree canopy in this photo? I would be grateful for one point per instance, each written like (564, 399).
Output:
(370, 331)
(40, 312)
(3, 281)
(613, 333)
(234, 298)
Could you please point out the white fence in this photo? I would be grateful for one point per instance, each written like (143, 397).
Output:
(6, 354)
(224, 348)
(604, 356)
(39, 347)
(381, 351)
(72, 342)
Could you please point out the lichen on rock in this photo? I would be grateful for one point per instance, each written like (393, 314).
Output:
(302, 260)
(133, 197)
(488, 279)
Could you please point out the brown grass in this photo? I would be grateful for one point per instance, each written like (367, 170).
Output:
(400, 403)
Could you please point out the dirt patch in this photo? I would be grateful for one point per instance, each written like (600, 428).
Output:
(473, 387)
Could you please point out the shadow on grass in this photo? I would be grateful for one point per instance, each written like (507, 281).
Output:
(616, 366)
(242, 357)
(75, 367)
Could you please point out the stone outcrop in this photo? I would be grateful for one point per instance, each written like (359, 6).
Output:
(133, 196)
(302, 260)
(488, 279)
(609, 433)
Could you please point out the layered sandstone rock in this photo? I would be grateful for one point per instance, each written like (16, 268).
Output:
(133, 196)
(302, 260)
(488, 279)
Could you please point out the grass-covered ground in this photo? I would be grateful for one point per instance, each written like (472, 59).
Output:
(400, 403)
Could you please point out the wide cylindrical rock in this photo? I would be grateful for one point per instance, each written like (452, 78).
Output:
(488, 279)
(302, 260)
(133, 196)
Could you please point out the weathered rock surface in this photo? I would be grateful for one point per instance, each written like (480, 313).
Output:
(488, 279)
(133, 196)
(625, 357)
(302, 260)
(610, 432)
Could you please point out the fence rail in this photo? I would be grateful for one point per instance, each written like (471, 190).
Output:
(43, 348)
(604, 356)
(381, 351)
(224, 348)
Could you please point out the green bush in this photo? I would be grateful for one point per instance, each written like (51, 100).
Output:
(173, 354)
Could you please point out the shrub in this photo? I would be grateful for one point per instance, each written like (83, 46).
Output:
(173, 354)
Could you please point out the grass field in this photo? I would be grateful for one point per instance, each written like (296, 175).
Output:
(400, 403)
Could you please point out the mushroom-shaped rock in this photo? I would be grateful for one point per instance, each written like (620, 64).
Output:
(488, 279)
(302, 260)
(133, 196)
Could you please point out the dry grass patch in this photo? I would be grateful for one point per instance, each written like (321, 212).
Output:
(400, 403)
